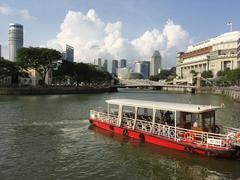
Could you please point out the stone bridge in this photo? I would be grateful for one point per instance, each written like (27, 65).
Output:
(141, 83)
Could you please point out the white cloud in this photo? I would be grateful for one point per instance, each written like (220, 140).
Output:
(5, 10)
(93, 38)
(23, 13)
(26, 15)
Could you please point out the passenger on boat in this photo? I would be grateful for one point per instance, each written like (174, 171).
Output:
(195, 124)
(167, 118)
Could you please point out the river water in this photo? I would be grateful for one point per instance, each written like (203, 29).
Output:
(49, 137)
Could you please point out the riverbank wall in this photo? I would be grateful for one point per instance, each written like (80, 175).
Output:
(232, 92)
(179, 89)
(53, 90)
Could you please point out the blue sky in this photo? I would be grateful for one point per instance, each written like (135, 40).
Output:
(201, 19)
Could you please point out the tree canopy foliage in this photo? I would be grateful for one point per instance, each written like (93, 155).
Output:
(7, 68)
(39, 59)
(165, 74)
(207, 74)
(81, 74)
(229, 76)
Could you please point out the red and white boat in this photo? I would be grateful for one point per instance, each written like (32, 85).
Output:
(185, 127)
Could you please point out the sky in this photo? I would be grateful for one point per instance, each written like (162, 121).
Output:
(111, 29)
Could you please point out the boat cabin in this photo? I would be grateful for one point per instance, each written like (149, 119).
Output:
(186, 116)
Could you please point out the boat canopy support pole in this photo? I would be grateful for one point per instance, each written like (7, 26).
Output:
(108, 109)
(175, 124)
(135, 118)
(120, 115)
(153, 122)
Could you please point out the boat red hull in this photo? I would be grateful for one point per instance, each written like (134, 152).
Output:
(163, 141)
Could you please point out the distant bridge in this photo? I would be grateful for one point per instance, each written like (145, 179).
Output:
(140, 83)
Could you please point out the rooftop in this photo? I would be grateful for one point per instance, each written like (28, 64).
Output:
(191, 108)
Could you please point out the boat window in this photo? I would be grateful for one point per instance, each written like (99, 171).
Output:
(159, 116)
(165, 117)
(197, 122)
(113, 109)
(128, 112)
(188, 120)
(209, 121)
(145, 114)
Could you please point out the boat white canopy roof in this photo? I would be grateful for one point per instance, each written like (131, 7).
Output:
(191, 108)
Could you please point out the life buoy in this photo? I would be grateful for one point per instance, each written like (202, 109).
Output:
(189, 137)
(141, 137)
(125, 132)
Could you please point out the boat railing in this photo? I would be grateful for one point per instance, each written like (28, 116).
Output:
(143, 125)
(127, 122)
(201, 138)
(104, 117)
(204, 138)
(228, 130)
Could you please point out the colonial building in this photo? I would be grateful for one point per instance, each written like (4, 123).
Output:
(214, 54)
(35, 77)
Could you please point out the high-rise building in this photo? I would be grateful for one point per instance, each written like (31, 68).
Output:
(0, 51)
(69, 53)
(123, 63)
(114, 66)
(105, 65)
(155, 65)
(142, 67)
(98, 62)
(15, 40)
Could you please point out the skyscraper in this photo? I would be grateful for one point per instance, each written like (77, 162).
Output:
(123, 63)
(105, 65)
(98, 62)
(155, 65)
(142, 67)
(15, 40)
(69, 53)
(114, 66)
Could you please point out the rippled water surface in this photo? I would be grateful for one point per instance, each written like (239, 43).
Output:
(49, 137)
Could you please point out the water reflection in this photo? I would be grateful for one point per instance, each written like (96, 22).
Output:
(151, 160)
(47, 137)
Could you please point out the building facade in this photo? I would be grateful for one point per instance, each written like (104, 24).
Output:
(123, 63)
(156, 63)
(114, 66)
(214, 54)
(69, 53)
(0, 51)
(35, 77)
(98, 62)
(15, 40)
(105, 65)
(142, 67)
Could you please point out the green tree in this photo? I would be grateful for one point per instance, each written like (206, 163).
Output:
(81, 73)
(207, 74)
(39, 59)
(8, 68)
(164, 74)
(233, 75)
(63, 72)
